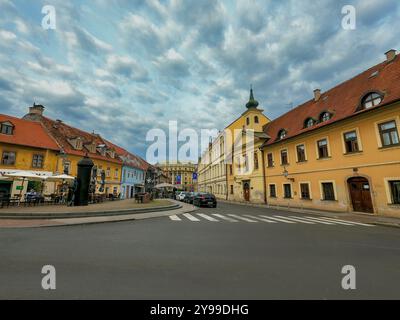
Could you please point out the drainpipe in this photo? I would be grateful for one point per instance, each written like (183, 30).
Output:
(264, 177)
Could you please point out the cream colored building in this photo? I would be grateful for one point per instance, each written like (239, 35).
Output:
(180, 174)
(212, 169)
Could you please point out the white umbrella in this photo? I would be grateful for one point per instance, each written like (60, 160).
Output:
(24, 175)
(60, 177)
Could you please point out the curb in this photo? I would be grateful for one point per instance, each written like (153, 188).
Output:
(328, 214)
(67, 215)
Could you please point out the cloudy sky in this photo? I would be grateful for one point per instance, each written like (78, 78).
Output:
(123, 67)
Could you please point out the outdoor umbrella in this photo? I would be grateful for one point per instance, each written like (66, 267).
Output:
(24, 175)
(60, 177)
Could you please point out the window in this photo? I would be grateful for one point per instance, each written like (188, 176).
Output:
(323, 148)
(284, 157)
(301, 153)
(8, 158)
(255, 161)
(309, 123)
(395, 191)
(328, 192)
(272, 191)
(371, 100)
(287, 190)
(282, 134)
(116, 174)
(37, 161)
(6, 128)
(305, 191)
(350, 141)
(325, 116)
(388, 133)
(270, 160)
(231, 189)
(230, 169)
(108, 173)
(256, 119)
(247, 121)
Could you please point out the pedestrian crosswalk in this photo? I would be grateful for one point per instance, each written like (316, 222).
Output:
(309, 220)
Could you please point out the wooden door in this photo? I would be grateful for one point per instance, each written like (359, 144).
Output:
(360, 193)
(246, 191)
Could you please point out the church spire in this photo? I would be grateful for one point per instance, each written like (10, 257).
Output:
(253, 103)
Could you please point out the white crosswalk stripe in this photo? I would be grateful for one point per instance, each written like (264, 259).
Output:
(327, 221)
(190, 217)
(207, 217)
(277, 219)
(295, 219)
(241, 218)
(258, 218)
(352, 222)
(312, 220)
(224, 218)
(215, 217)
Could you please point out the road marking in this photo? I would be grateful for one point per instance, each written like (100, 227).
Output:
(242, 218)
(295, 219)
(207, 217)
(190, 217)
(223, 217)
(277, 219)
(261, 219)
(175, 218)
(308, 219)
(325, 220)
(356, 223)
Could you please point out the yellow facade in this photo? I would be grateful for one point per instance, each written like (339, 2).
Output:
(24, 161)
(252, 119)
(113, 171)
(377, 166)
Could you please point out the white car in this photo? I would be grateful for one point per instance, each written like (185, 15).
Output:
(180, 196)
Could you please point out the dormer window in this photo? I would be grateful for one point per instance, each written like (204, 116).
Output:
(371, 100)
(6, 128)
(76, 143)
(325, 116)
(309, 123)
(282, 134)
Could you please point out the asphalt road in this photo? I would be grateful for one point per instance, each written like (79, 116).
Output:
(184, 259)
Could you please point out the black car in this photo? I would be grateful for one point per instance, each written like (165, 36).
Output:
(190, 196)
(205, 199)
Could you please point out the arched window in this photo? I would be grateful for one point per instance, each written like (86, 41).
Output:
(371, 100)
(282, 134)
(247, 121)
(309, 123)
(256, 119)
(325, 116)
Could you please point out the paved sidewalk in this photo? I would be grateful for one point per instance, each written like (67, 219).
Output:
(350, 216)
(27, 223)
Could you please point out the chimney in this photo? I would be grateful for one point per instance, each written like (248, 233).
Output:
(317, 94)
(36, 109)
(390, 55)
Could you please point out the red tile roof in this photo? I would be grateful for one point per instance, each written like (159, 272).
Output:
(128, 158)
(341, 101)
(61, 132)
(28, 133)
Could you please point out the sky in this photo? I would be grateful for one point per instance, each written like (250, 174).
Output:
(123, 67)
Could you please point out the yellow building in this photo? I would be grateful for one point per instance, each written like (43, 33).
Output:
(25, 146)
(75, 144)
(179, 174)
(242, 184)
(341, 150)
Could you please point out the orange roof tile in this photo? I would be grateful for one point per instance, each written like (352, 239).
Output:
(341, 101)
(28, 133)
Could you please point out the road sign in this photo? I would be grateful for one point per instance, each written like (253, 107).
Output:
(194, 175)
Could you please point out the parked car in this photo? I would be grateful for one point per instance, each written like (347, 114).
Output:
(189, 197)
(205, 199)
(181, 195)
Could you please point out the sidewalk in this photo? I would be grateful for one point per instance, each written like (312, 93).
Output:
(122, 214)
(350, 216)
